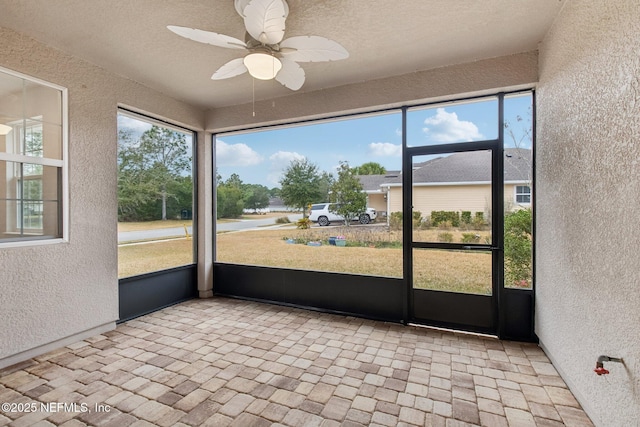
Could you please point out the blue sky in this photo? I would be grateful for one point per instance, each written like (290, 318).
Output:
(260, 157)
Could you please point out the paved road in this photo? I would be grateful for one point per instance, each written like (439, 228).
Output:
(247, 224)
(161, 233)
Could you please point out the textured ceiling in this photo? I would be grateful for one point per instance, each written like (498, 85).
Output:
(384, 38)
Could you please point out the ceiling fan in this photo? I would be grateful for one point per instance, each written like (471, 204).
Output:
(268, 55)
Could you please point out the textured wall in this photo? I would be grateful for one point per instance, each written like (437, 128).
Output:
(55, 291)
(442, 83)
(588, 186)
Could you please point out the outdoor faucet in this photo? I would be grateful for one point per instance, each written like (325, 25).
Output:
(600, 370)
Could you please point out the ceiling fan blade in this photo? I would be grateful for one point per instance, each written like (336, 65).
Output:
(264, 20)
(291, 75)
(312, 49)
(208, 37)
(232, 68)
(241, 4)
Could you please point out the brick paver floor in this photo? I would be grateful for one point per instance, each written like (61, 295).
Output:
(219, 362)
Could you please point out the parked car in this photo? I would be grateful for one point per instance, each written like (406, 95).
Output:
(321, 214)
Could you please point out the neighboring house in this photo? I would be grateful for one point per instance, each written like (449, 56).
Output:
(276, 204)
(458, 182)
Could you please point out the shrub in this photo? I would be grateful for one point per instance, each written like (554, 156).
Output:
(416, 219)
(395, 220)
(303, 223)
(478, 221)
(445, 237)
(470, 238)
(517, 247)
(283, 220)
(445, 225)
(425, 224)
(465, 217)
(440, 216)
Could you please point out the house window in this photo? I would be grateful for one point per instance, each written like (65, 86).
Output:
(32, 160)
(523, 194)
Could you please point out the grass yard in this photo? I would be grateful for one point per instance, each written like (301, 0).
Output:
(452, 271)
(267, 248)
(433, 269)
(144, 258)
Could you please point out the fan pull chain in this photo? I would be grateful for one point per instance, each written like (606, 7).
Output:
(253, 93)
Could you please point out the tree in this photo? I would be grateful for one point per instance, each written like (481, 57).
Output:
(134, 193)
(347, 195)
(229, 200)
(521, 138)
(521, 135)
(369, 168)
(165, 159)
(326, 181)
(151, 169)
(274, 192)
(300, 185)
(256, 196)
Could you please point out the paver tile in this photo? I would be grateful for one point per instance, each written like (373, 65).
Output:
(237, 363)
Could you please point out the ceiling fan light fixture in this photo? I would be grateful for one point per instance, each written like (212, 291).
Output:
(262, 65)
(4, 129)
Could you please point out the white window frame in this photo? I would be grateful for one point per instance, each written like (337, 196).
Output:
(516, 194)
(63, 164)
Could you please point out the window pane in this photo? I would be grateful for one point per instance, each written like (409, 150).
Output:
(452, 197)
(155, 197)
(11, 101)
(453, 122)
(30, 193)
(314, 170)
(43, 102)
(29, 204)
(467, 272)
(518, 238)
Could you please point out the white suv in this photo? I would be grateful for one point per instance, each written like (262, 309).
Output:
(321, 214)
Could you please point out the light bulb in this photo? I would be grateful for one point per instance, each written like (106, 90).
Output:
(262, 65)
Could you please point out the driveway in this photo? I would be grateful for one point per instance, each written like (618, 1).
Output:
(166, 233)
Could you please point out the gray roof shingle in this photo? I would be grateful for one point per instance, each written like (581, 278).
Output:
(469, 166)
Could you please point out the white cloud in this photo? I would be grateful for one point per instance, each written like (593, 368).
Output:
(385, 149)
(446, 127)
(236, 155)
(279, 162)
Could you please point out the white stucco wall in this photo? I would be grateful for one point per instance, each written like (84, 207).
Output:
(62, 291)
(588, 181)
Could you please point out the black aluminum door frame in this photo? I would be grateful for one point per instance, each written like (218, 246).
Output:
(478, 313)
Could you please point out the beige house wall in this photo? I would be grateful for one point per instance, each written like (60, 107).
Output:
(473, 198)
(510, 203)
(377, 202)
(587, 182)
(58, 293)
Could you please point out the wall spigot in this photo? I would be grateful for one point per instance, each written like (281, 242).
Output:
(600, 370)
